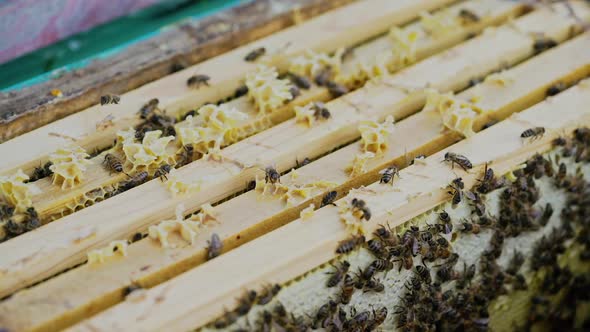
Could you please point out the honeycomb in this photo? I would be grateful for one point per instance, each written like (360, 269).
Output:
(374, 135)
(266, 90)
(69, 165)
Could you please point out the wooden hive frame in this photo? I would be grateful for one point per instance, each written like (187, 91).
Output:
(256, 222)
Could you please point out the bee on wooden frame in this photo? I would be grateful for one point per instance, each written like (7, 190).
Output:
(196, 81)
(162, 171)
(468, 16)
(113, 163)
(272, 175)
(300, 81)
(109, 99)
(350, 244)
(320, 111)
(461, 160)
(388, 174)
(148, 108)
(215, 246)
(255, 54)
(533, 133)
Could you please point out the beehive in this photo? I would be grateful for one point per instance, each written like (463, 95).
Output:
(518, 76)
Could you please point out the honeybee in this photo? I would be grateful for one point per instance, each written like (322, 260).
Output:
(242, 90)
(245, 302)
(335, 89)
(148, 108)
(135, 180)
(555, 89)
(13, 228)
(388, 174)
(113, 163)
(470, 228)
(324, 313)
(379, 318)
(215, 246)
(109, 99)
(347, 289)
(294, 91)
(6, 211)
(456, 191)
(268, 294)
(360, 205)
(32, 220)
(323, 77)
(271, 175)
(196, 81)
(468, 16)
(534, 133)
(377, 248)
(350, 244)
(187, 155)
(41, 172)
(300, 81)
(542, 44)
(461, 160)
(162, 171)
(337, 275)
(320, 110)
(373, 285)
(255, 54)
(304, 162)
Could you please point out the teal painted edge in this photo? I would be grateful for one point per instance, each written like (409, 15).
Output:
(197, 10)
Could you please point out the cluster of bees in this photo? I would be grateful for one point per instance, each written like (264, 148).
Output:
(30, 221)
(443, 295)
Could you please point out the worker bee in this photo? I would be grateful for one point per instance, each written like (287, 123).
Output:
(268, 294)
(32, 220)
(555, 89)
(324, 313)
(186, 156)
(582, 135)
(109, 99)
(245, 302)
(456, 191)
(534, 133)
(242, 90)
(379, 317)
(323, 77)
(547, 213)
(515, 263)
(196, 81)
(6, 211)
(335, 89)
(337, 275)
(148, 108)
(13, 228)
(228, 318)
(41, 172)
(358, 321)
(350, 244)
(130, 289)
(294, 91)
(215, 246)
(255, 54)
(423, 273)
(468, 16)
(377, 248)
(300, 81)
(113, 163)
(347, 289)
(304, 162)
(162, 171)
(542, 44)
(388, 174)
(373, 285)
(329, 198)
(361, 205)
(320, 110)
(387, 235)
(461, 160)
(271, 175)
(469, 227)
(135, 180)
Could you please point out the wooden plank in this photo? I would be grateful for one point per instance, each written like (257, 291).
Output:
(63, 243)
(52, 202)
(186, 44)
(324, 33)
(189, 300)
(248, 216)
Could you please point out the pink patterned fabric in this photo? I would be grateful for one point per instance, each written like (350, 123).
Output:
(26, 25)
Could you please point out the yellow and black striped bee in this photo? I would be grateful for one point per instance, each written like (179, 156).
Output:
(388, 174)
(461, 160)
(335, 89)
(272, 175)
(350, 244)
(196, 81)
(255, 54)
(533, 133)
(320, 110)
(337, 275)
(329, 198)
(468, 16)
(113, 163)
(162, 171)
(300, 81)
(148, 108)
(135, 180)
(109, 99)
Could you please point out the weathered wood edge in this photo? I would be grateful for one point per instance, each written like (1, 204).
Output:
(183, 45)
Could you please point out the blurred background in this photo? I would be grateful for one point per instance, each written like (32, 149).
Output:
(41, 39)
